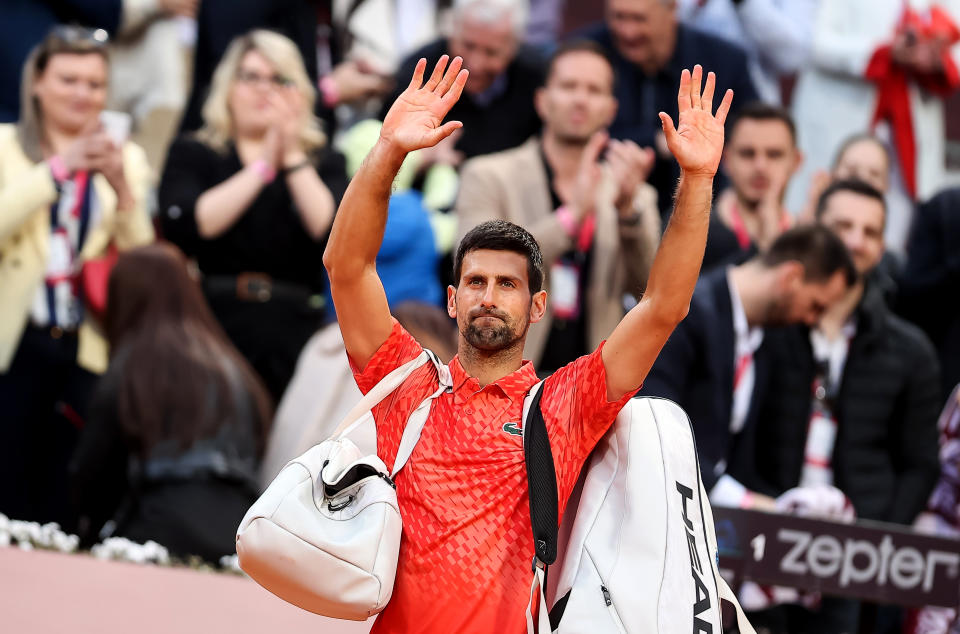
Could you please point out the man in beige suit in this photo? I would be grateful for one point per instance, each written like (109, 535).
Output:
(582, 196)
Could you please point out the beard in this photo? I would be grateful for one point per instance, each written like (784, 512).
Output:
(778, 312)
(492, 337)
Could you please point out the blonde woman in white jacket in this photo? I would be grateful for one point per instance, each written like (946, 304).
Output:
(66, 192)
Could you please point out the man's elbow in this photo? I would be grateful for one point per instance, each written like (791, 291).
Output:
(671, 315)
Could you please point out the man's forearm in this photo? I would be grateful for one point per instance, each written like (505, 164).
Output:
(676, 266)
(357, 231)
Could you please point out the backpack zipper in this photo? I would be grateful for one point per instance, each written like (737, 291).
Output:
(612, 609)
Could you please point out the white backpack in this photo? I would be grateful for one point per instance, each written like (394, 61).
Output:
(642, 552)
(325, 535)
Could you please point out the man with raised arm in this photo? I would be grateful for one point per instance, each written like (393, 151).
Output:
(467, 545)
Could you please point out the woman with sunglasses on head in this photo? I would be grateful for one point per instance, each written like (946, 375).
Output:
(67, 192)
(251, 196)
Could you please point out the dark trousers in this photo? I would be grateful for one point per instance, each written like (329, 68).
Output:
(43, 402)
(270, 335)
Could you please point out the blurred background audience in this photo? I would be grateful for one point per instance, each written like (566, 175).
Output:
(809, 359)
(171, 446)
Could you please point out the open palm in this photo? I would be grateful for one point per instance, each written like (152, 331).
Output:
(414, 121)
(697, 143)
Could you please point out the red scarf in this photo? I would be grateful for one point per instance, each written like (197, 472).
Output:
(892, 80)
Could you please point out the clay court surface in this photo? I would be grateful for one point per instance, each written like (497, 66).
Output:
(44, 593)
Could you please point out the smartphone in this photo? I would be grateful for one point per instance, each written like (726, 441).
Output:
(117, 126)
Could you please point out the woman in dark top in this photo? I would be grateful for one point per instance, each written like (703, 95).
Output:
(177, 425)
(251, 197)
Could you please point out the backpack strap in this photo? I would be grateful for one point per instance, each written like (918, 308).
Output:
(542, 486)
(541, 478)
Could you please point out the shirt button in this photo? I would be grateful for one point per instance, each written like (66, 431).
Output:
(468, 412)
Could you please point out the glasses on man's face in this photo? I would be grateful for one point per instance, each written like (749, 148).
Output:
(252, 78)
(72, 33)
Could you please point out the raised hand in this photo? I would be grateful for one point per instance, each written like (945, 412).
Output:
(697, 142)
(414, 120)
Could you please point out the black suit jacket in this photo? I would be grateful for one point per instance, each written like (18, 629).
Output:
(885, 454)
(695, 369)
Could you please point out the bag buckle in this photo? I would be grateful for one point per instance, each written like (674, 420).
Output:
(254, 287)
(341, 504)
(537, 564)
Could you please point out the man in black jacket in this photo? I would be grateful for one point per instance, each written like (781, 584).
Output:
(850, 404)
(930, 285)
(875, 418)
(715, 361)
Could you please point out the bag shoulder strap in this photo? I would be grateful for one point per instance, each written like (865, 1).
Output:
(541, 478)
(416, 421)
(542, 488)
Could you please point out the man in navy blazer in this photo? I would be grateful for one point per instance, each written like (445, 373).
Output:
(714, 362)
(648, 47)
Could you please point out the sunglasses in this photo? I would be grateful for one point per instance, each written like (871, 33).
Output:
(256, 79)
(73, 33)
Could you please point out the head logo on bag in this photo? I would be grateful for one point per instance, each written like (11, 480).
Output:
(702, 603)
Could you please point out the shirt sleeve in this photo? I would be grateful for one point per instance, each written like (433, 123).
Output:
(577, 413)
(391, 414)
(186, 177)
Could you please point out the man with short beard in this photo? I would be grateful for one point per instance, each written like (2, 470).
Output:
(715, 364)
(584, 199)
(464, 563)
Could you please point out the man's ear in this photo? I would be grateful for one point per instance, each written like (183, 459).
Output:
(538, 97)
(452, 301)
(798, 159)
(538, 306)
(789, 275)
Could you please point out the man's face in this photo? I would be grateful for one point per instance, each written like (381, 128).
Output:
(760, 156)
(865, 160)
(577, 99)
(799, 301)
(492, 302)
(486, 46)
(643, 30)
(859, 221)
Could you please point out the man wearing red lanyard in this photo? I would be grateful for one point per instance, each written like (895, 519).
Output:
(582, 196)
(464, 563)
(760, 157)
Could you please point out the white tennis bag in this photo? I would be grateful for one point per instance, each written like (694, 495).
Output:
(642, 552)
(325, 535)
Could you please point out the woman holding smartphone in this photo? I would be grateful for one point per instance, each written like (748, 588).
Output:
(251, 197)
(67, 191)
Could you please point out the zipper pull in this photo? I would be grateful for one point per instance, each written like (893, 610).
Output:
(606, 596)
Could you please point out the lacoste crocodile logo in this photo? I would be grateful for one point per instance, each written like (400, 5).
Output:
(513, 429)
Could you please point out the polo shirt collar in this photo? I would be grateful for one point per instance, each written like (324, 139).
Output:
(514, 385)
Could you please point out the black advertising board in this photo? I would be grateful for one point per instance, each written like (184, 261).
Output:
(872, 561)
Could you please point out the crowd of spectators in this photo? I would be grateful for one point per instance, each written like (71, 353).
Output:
(200, 148)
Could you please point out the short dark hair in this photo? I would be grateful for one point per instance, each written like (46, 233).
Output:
(760, 111)
(852, 185)
(500, 235)
(581, 46)
(817, 248)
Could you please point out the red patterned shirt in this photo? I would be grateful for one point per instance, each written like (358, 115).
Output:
(467, 545)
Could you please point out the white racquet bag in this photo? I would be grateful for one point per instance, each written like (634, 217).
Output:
(642, 552)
